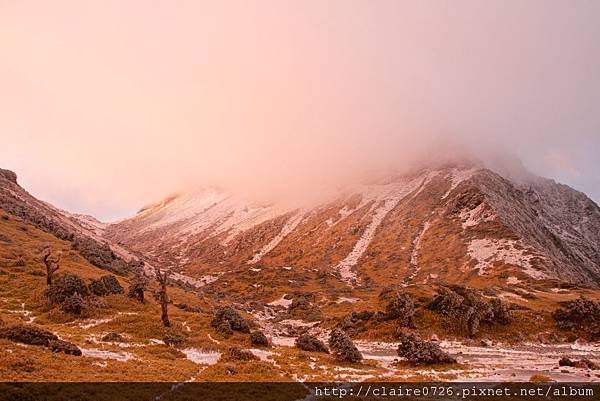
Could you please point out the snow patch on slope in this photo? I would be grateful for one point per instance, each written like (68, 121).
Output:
(457, 176)
(488, 251)
(288, 227)
(480, 214)
(385, 198)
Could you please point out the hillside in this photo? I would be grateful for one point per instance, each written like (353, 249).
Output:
(377, 262)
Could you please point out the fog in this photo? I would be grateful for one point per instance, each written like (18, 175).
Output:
(107, 105)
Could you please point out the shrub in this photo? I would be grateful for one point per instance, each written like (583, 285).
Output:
(65, 347)
(66, 286)
(343, 347)
(231, 316)
(106, 285)
(137, 289)
(580, 315)
(307, 342)
(401, 308)
(113, 338)
(470, 308)
(302, 308)
(74, 305)
(237, 354)
(27, 334)
(172, 338)
(420, 352)
(259, 338)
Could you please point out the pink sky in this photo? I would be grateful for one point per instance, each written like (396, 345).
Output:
(108, 105)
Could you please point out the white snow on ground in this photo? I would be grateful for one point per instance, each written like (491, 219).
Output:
(345, 266)
(487, 251)
(346, 299)
(287, 228)
(218, 210)
(202, 357)
(24, 312)
(263, 355)
(281, 302)
(457, 176)
(102, 354)
(414, 257)
(385, 198)
(477, 215)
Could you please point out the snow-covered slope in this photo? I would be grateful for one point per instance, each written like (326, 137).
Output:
(456, 223)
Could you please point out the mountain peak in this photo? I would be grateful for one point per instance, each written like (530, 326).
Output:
(9, 175)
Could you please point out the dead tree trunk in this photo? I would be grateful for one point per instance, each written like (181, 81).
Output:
(163, 298)
(52, 264)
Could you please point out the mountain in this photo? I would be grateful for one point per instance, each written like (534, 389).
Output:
(377, 261)
(458, 223)
(83, 231)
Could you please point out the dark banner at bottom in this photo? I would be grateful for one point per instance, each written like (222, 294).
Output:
(296, 391)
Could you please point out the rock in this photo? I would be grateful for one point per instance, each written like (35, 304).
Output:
(64, 287)
(420, 352)
(9, 175)
(307, 342)
(106, 285)
(343, 347)
(258, 338)
(486, 343)
(237, 354)
(27, 334)
(434, 337)
(114, 338)
(64, 346)
(230, 315)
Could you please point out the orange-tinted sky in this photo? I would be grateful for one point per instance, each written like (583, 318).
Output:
(108, 105)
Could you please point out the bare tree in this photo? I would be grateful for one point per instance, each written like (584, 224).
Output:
(52, 264)
(163, 278)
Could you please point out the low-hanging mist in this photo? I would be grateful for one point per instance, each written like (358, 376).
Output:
(108, 106)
